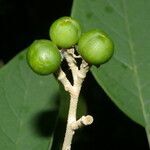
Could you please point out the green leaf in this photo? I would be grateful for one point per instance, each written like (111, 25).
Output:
(28, 107)
(125, 77)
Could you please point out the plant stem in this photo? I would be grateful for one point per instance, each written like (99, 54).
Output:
(71, 119)
(79, 74)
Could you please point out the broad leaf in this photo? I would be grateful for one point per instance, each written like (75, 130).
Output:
(28, 107)
(126, 77)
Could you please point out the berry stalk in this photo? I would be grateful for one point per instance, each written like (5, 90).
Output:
(79, 75)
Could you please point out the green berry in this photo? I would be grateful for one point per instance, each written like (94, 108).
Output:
(95, 47)
(65, 32)
(43, 57)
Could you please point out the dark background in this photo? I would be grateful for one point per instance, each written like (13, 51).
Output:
(21, 22)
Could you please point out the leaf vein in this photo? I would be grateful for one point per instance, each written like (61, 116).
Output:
(24, 101)
(10, 106)
(124, 63)
(135, 69)
(116, 10)
(7, 135)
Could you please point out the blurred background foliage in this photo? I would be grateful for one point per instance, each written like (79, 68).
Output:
(21, 22)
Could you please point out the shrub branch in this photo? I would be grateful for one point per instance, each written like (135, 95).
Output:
(78, 74)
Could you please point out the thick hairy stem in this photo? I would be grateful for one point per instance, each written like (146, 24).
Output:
(79, 75)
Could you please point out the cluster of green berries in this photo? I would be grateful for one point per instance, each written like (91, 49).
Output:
(94, 46)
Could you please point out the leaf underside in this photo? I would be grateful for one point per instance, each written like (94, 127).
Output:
(27, 104)
(125, 78)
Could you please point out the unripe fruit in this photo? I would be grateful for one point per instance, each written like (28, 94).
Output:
(65, 32)
(95, 47)
(43, 57)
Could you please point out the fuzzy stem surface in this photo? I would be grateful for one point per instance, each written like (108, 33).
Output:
(78, 74)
